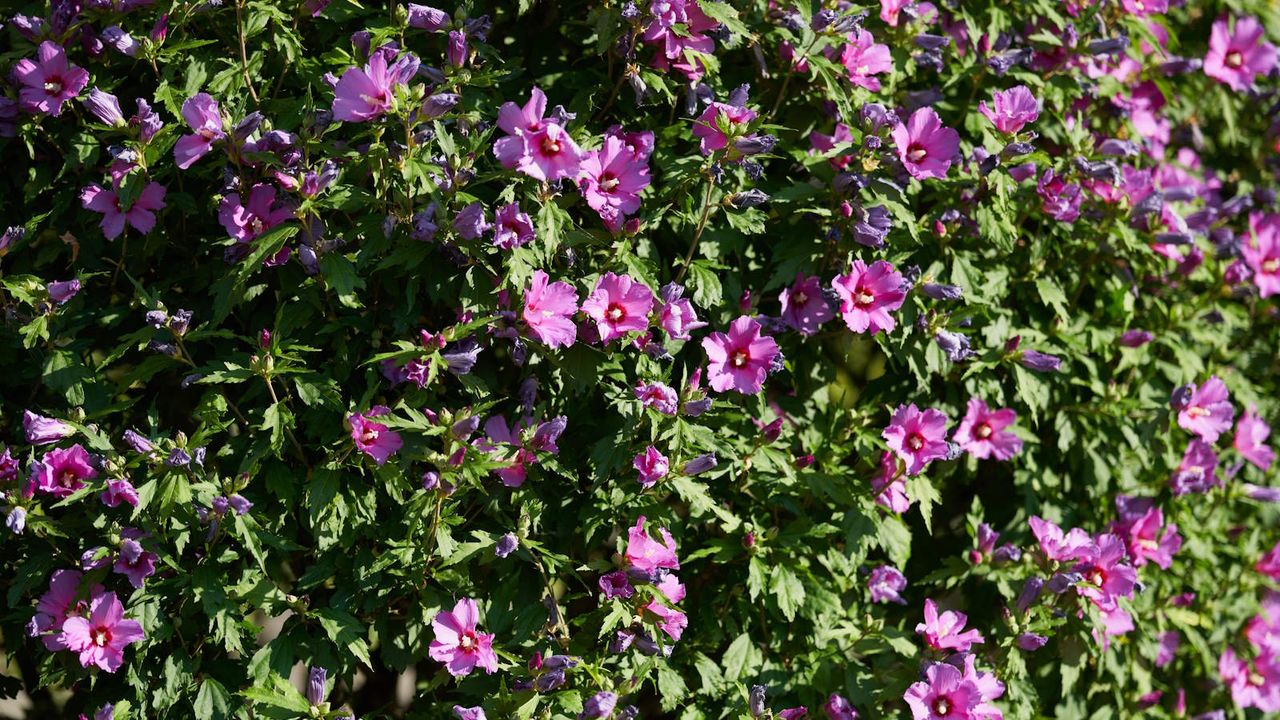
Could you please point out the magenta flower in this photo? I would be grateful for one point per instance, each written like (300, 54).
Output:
(141, 214)
(119, 491)
(373, 438)
(1058, 546)
(458, 644)
(1059, 200)
(499, 434)
(613, 176)
(511, 227)
(1140, 8)
(946, 631)
(363, 94)
(671, 621)
(549, 309)
(619, 305)
(535, 146)
(41, 430)
(203, 117)
(1269, 563)
(676, 316)
(981, 432)
(1106, 573)
(1208, 412)
(740, 360)
(926, 147)
(803, 307)
(246, 222)
(1011, 109)
(62, 471)
(1198, 471)
(1261, 251)
(890, 488)
(648, 555)
(1238, 54)
(886, 584)
(863, 58)
(673, 42)
(708, 127)
(838, 707)
(49, 82)
(1251, 439)
(917, 437)
(652, 466)
(658, 396)
(944, 694)
(101, 637)
(868, 294)
(1147, 537)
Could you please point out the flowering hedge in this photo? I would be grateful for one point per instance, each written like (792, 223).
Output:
(678, 358)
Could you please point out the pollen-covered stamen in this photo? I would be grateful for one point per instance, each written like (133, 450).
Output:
(864, 297)
(739, 358)
(1197, 411)
(1234, 59)
(915, 441)
(66, 478)
(1271, 266)
(916, 153)
(616, 313)
(379, 99)
(982, 432)
(608, 182)
(101, 636)
(467, 641)
(800, 298)
(53, 85)
(942, 707)
(550, 145)
(256, 226)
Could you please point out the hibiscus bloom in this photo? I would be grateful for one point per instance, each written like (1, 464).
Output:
(945, 631)
(457, 642)
(868, 294)
(62, 471)
(205, 120)
(373, 438)
(619, 305)
(1238, 54)
(48, 82)
(708, 127)
(981, 432)
(549, 309)
(925, 146)
(1251, 439)
(366, 93)
(101, 637)
(141, 214)
(863, 58)
(1011, 109)
(739, 360)
(1208, 412)
(803, 307)
(917, 437)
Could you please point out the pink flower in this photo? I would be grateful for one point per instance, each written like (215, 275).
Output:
(917, 437)
(672, 41)
(1253, 683)
(1011, 109)
(838, 707)
(511, 228)
(363, 94)
(868, 294)
(1261, 252)
(803, 306)
(891, 9)
(707, 128)
(535, 146)
(41, 430)
(458, 644)
(946, 631)
(1237, 55)
(1140, 8)
(658, 396)
(648, 555)
(1140, 525)
(1059, 547)
(1251, 439)
(613, 176)
(944, 694)
(890, 488)
(619, 305)
(863, 58)
(499, 434)
(119, 491)
(1209, 412)
(101, 637)
(246, 222)
(980, 433)
(676, 315)
(740, 360)
(49, 82)
(60, 602)
(925, 147)
(373, 438)
(62, 471)
(141, 214)
(549, 310)
(202, 116)
(1198, 471)
(652, 466)
(135, 563)
(1106, 574)
(671, 621)
(1059, 200)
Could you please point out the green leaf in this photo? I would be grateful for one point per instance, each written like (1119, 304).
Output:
(788, 591)
(213, 702)
(345, 631)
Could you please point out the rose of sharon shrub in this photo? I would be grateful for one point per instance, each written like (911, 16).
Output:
(672, 358)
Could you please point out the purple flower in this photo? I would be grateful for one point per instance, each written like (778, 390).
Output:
(1136, 338)
(1011, 109)
(1030, 642)
(803, 306)
(1040, 362)
(119, 491)
(1238, 54)
(700, 464)
(471, 713)
(41, 430)
(316, 681)
(105, 107)
(470, 222)
(886, 584)
(651, 465)
(135, 563)
(205, 120)
(511, 227)
(616, 585)
(63, 290)
(366, 93)
(48, 82)
(425, 17)
(600, 705)
(505, 545)
(456, 51)
(838, 707)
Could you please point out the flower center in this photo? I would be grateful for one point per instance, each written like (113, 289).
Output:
(66, 478)
(1234, 59)
(550, 146)
(916, 153)
(53, 85)
(1271, 266)
(739, 358)
(800, 298)
(1197, 411)
(1256, 679)
(608, 182)
(101, 636)
(369, 436)
(1097, 576)
(942, 707)
(206, 133)
(983, 431)
(615, 313)
(468, 641)
(864, 297)
(256, 225)
(915, 441)
(375, 100)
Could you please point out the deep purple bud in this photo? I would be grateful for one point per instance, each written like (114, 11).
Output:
(938, 291)
(747, 199)
(439, 104)
(120, 41)
(738, 98)
(616, 585)
(63, 290)
(137, 442)
(1136, 338)
(955, 345)
(1108, 46)
(456, 53)
(755, 701)
(105, 107)
(599, 705)
(927, 41)
(1062, 582)
(700, 464)
(871, 225)
(1030, 642)
(315, 685)
(755, 144)
(1181, 397)
(427, 18)
(1006, 553)
(239, 503)
(1030, 591)
(1040, 362)
(1115, 147)
(505, 545)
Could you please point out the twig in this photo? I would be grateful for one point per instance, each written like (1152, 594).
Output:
(697, 233)
(244, 59)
